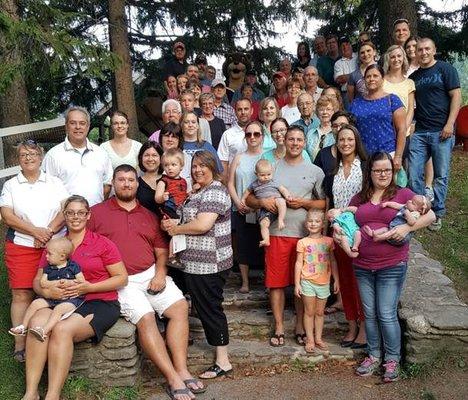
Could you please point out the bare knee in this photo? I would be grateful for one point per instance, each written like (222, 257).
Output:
(40, 317)
(22, 296)
(319, 313)
(178, 310)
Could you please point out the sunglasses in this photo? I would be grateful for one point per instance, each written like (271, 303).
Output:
(253, 134)
(399, 21)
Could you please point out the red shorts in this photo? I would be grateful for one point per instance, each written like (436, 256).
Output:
(22, 263)
(280, 260)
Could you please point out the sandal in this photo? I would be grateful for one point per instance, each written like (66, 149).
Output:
(19, 356)
(173, 393)
(19, 330)
(38, 332)
(300, 338)
(322, 346)
(196, 382)
(332, 310)
(280, 340)
(309, 348)
(217, 370)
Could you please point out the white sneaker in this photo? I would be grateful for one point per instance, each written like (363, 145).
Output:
(436, 225)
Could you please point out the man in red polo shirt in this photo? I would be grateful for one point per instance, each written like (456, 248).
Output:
(144, 249)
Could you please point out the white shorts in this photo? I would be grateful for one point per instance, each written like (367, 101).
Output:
(135, 302)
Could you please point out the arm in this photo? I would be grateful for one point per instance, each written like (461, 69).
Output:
(80, 277)
(399, 232)
(244, 196)
(393, 204)
(352, 209)
(231, 186)
(334, 270)
(410, 220)
(399, 121)
(159, 280)
(298, 202)
(268, 204)
(106, 191)
(57, 223)
(455, 102)
(45, 283)
(43, 235)
(159, 194)
(350, 93)
(198, 226)
(297, 273)
(225, 173)
(56, 289)
(410, 110)
(284, 192)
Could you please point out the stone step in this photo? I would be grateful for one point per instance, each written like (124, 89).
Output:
(256, 298)
(251, 323)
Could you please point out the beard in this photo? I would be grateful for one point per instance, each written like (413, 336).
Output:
(125, 196)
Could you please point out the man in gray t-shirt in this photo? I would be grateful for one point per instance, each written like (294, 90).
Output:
(304, 182)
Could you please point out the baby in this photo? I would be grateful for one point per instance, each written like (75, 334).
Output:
(407, 214)
(59, 268)
(171, 192)
(265, 187)
(344, 223)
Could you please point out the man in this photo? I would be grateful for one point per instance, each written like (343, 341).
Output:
(171, 112)
(309, 121)
(343, 68)
(192, 72)
(320, 49)
(216, 125)
(401, 31)
(187, 101)
(177, 64)
(83, 167)
(326, 63)
(363, 37)
(222, 109)
(280, 82)
(201, 63)
(233, 139)
(135, 231)
(251, 79)
(285, 67)
(304, 180)
(438, 99)
(311, 77)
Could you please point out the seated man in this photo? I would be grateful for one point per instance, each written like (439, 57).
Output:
(135, 231)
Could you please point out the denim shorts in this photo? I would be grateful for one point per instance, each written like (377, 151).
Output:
(311, 289)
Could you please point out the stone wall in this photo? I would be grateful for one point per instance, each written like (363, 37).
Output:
(434, 318)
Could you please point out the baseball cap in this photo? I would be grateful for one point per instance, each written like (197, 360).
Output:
(200, 59)
(344, 39)
(217, 82)
(178, 44)
(280, 74)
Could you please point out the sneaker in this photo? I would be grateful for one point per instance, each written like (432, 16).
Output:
(436, 225)
(392, 371)
(368, 366)
(429, 193)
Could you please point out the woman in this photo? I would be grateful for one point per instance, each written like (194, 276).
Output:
(217, 125)
(290, 112)
(30, 207)
(121, 149)
(356, 83)
(170, 84)
(241, 175)
(182, 80)
(303, 55)
(104, 272)
(410, 50)
(279, 128)
(207, 227)
(380, 117)
(340, 186)
(269, 111)
(334, 92)
(195, 87)
(149, 162)
(380, 267)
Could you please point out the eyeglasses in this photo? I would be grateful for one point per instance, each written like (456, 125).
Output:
(253, 134)
(386, 171)
(337, 126)
(71, 214)
(280, 132)
(32, 154)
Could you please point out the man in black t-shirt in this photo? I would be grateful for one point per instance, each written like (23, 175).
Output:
(177, 64)
(438, 99)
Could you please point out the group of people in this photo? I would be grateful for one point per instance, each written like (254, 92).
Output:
(311, 188)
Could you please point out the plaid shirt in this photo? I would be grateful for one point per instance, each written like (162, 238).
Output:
(226, 113)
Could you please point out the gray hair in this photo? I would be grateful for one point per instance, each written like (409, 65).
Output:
(82, 110)
(206, 96)
(172, 102)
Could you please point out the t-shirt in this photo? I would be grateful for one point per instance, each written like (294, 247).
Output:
(401, 89)
(217, 128)
(290, 114)
(93, 255)
(432, 95)
(177, 188)
(375, 122)
(265, 190)
(130, 158)
(317, 253)
(232, 142)
(190, 148)
(357, 80)
(325, 67)
(302, 180)
(378, 255)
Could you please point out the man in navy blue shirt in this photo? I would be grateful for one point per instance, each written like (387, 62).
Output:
(438, 99)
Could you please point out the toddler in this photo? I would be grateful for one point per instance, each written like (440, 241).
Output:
(315, 263)
(59, 267)
(171, 192)
(344, 223)
(407, 214)
(265, 187)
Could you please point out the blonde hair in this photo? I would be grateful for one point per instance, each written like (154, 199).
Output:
(62, 244)
(386, 57)
(174, 153)
(264, 103)
(262, 163)
(325, 100)
(316, 211)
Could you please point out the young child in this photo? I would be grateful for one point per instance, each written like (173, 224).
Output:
(59, 267)
(315, 264)
(407, 214)
(265, 187)
(171, 192)
(344, 223)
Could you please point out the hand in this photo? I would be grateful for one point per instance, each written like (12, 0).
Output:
(336, 286)
(242, 208)
(167, 224)
(166, 196)
(397, 162)
(297, 290)
(158, 283)
(42, 234)
(399, 232)
(384, 204)
(38, 244)
(446, 132)
(196, 187)
(77, 289)
(54, 293)
(269, 204)
(295, 203)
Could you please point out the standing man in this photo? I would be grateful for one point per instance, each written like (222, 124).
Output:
(326, 63)
(401, 31)
(177, 64)
(308, 121)
(83, 167)
(343, 68)
(320, 49)
(304, 181)
(438, 99)
(311, 77)
(135, 230)
(280, 82)
(222, 109)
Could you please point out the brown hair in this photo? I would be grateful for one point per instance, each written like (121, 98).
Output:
(368, 186)
(75, 199)
(209, 160)
(337, 96)
(359, 150)
(200, 141)
(325, 100)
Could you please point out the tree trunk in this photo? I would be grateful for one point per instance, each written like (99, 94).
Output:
(388, 12)
(14, 107)
(124, 99)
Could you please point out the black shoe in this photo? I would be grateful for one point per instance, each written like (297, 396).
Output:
(358, 346)
(346, 343)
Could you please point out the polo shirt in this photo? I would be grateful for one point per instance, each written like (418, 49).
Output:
(94, 255)
(344, 66)
(82, 172)
(136, 232)
(231, 143)
(37, 203)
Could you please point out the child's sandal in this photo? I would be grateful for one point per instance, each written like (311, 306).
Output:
(19, 330)
(39, 333)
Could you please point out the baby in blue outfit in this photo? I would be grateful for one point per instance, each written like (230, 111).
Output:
(344, 224)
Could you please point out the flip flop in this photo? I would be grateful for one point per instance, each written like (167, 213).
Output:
(22, 330)
(196, 382)
(322, 346)
(39, 333)
(332, 310)
(173, 393)
(300, 338)
(217, 370)
(310, 350)
(279, 337)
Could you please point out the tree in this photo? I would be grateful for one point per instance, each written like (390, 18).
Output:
(124, 97)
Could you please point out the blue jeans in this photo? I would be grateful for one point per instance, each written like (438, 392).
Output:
(380, 292)
(422, 146)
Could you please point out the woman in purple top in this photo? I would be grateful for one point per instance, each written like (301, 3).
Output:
(380, 268)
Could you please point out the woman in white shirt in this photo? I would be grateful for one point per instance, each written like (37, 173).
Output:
(290, 112)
